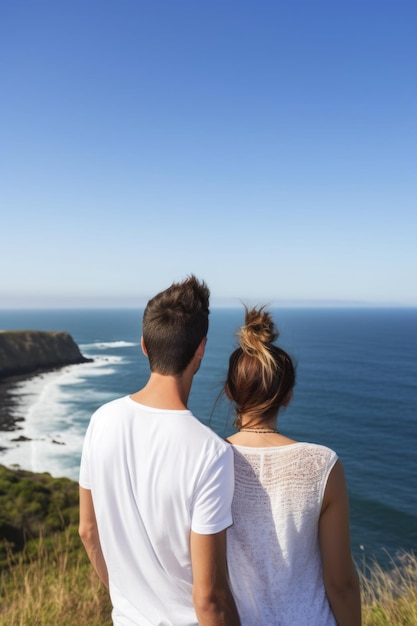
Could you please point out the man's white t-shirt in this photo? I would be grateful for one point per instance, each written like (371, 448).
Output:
(154, 475)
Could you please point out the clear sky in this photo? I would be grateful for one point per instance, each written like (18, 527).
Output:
(269, 147)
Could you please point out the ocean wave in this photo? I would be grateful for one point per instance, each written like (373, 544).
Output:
(56, 407)
(104, 345)
(100, 366)
(49, 393)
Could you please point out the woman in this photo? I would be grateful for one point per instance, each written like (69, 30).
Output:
(289, 547)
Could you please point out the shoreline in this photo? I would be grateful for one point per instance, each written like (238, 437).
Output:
(12, 411)
(33, 437)
(10, 418)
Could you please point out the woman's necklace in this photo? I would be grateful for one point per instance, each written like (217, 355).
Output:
(258, 430)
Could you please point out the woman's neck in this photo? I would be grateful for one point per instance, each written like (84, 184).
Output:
(248, 423)
(259, 434)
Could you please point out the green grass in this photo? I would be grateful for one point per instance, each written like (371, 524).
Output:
(390, 597)
(32, 503)
(54, 585)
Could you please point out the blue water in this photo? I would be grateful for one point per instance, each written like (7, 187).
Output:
(356, 392)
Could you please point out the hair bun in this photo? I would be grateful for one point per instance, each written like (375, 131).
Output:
(258, 331)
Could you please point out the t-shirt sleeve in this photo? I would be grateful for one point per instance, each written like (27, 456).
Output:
(211, 512)
(84, 476)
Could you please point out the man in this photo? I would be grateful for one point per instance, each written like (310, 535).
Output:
(156, 485)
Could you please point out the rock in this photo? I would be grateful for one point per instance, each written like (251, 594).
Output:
(31, 351)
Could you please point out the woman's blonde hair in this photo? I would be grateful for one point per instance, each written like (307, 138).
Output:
(261, 375)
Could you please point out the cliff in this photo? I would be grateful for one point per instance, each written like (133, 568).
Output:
(25, 352)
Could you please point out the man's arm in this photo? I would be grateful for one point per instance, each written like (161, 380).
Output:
(340, 579)
(213, 602)
(89, 535)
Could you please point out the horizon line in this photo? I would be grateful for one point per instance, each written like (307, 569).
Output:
(216, 303)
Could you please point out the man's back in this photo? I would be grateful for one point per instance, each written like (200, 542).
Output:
(156, 486)
(154, 475)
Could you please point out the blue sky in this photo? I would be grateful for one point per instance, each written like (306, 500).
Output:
(268, 147)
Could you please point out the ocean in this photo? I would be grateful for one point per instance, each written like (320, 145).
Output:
(356, 392)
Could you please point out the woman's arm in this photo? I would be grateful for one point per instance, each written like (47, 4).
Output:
(89, 535)
(340, 579)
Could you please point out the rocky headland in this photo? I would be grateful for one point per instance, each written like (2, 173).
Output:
(25, 353)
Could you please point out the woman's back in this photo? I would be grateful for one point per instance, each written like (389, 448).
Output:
(273, 546)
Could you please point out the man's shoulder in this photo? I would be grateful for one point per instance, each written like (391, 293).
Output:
(212, 439)
(111, 406)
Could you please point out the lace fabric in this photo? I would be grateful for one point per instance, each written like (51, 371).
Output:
(273, 549)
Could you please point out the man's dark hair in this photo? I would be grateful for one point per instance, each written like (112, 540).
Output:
(175, 322)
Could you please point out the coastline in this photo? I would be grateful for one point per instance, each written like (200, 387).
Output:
(10, 418)
(35, 433)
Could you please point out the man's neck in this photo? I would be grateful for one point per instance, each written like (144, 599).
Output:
(165, 392)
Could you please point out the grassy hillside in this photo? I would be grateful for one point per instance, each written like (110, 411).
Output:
(54, 585)
(45, 576)
(46, 579)
(33, 504)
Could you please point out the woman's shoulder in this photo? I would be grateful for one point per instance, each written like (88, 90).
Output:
(317, 460)
(317, 450)
(305, 457)
(286, 445)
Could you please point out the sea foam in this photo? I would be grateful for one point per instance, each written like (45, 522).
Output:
(54, 421)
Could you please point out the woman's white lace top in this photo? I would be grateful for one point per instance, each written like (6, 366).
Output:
(272, 548)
